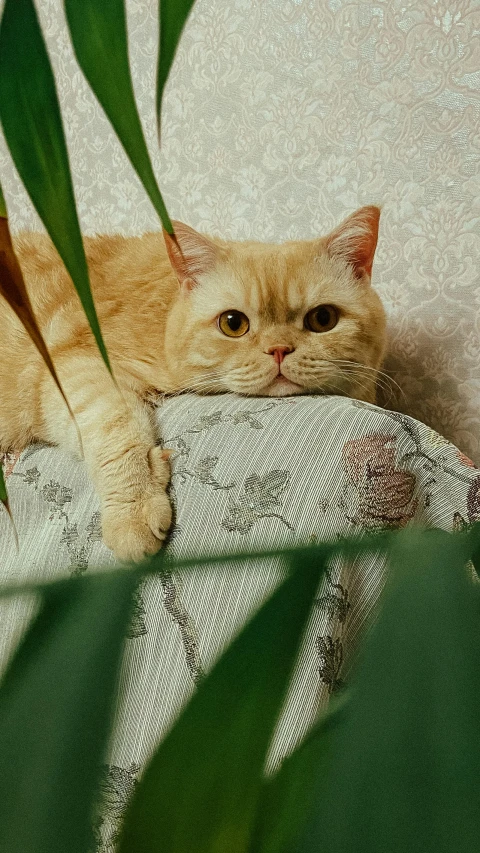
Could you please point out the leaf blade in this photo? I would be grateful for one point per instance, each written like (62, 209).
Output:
(56, 700)
(99, 36)
(3, 487)
(5, 501)
(287, 800)
(173, 17)
(14, 291)
(407, 760)
(33, 129)
(213, 757)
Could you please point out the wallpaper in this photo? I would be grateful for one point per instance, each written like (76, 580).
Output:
(283, 116)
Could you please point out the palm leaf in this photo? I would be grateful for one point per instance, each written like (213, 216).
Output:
(99, 35)
(56, 702)
(12, 288)
(5, 501)
(33, 129)
(407, 755)
(287, 800)
(173, 15)
(201, 789)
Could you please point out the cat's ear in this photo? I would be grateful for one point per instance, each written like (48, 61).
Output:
(191, 254)
(355, 240)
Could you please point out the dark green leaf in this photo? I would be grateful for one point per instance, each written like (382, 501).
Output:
(6, 502)
(13, 289)
(3, 206)
(3, 487)
(287, 800)
(407, 759)
(200, 792)
(173, 15)
(32, 125)
(99, 35)
(55, 712)
(475, 533)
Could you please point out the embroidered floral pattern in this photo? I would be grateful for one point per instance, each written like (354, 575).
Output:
(31, 477)
(465, 460)
(116, 788)
(174, 606)
(473, 501)
(334, 602)
(384, 492)
(8, 461)
(138, 624)
(330, 654)
(260, 498)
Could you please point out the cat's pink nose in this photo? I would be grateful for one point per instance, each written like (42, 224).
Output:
(279, 353)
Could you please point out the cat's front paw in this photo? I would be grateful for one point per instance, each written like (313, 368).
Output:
(135, 525)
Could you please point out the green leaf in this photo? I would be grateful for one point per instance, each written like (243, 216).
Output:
(287, 800)
(200, 791)
(407, 759)
(55, 712)
(33, 129)
(173, 15)
(99, 35)
(3, 206)
(475, 533)
(6, 502)
(13, 289)
(3, 487)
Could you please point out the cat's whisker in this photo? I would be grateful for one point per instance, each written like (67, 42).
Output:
(351, 376)
(353, 370)
(356, 375)
(380, 373)
(202, 382)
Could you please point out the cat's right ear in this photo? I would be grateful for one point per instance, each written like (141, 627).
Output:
(355, 240)
(191, 254)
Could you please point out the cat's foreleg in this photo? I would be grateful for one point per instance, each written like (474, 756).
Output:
(118, 437)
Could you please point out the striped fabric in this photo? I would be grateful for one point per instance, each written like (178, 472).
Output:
(247, 473)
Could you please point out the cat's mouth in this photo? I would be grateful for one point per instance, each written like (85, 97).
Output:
(282, 387)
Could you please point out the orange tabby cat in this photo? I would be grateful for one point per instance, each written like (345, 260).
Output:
(297, 318)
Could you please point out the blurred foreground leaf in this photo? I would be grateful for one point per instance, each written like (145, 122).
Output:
(407, 757)
(287, 799)
(99, 35)
(12, 288)
(55, 714)
(3, 487)
(200, 792)
(6, 502)
(33, 129)
(173, 15)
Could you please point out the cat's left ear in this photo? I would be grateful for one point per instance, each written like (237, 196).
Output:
(355, 240)
(191, 255)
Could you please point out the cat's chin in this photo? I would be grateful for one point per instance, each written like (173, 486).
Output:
(282, 387)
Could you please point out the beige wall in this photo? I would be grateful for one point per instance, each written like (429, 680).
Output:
(283, 116)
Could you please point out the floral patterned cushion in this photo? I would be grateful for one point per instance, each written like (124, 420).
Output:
(247, 473)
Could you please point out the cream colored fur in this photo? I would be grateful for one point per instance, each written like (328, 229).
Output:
(158, 311)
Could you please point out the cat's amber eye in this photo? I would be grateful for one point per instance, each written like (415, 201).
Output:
(321, 319)
(234, 324)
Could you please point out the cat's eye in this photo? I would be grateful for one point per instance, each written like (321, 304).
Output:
(321, 319)
(234, 324)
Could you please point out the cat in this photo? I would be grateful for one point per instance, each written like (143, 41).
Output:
(199, 314)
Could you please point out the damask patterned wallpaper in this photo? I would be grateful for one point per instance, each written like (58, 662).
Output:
(283, 116)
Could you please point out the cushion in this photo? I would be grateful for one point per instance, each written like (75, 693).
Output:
(247, 473)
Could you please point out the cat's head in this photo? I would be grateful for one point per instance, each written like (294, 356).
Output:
(274, 320)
